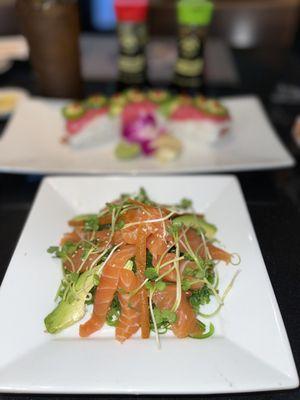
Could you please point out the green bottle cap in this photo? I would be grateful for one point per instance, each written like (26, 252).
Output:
(194, 12)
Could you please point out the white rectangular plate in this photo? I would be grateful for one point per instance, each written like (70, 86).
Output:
(32, 144)
(249, 351)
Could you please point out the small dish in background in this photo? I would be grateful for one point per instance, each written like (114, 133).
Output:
(9, 99)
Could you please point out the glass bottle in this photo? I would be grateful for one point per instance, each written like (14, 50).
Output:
(132, 36)
(193, 17)
(51, 28)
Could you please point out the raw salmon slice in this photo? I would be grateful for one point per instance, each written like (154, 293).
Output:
(143, 293)
(197, 246)
(129, 321)
(70, 237)
(106, 289)
(158, 243)
(186, 323)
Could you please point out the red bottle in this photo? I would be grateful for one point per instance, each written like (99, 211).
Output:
(132, 34)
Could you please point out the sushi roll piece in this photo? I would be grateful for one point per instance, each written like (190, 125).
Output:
(201, 120)
(88, 124)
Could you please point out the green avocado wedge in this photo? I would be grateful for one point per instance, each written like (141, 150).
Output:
(72, 308)
(196, 222)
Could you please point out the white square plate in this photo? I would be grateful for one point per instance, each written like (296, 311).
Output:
(32, 144)
(249, 351)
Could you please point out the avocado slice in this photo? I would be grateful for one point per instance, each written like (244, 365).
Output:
(72, 308)
(196, 222)
(127, 151)
(83, 217)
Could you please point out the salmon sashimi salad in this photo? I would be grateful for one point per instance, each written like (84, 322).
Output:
(139, 266)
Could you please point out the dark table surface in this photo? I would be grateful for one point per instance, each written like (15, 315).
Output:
(273, 197)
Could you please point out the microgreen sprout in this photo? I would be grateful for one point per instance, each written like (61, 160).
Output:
(119, 225)
(226, 291)
(204, 334)
(185, 204)
(152, 290)
(64, 251)
(135, 291)
(149, 221)
(235, 259)
(91, 224)
(85, 256)
(201, 266)
(114, 312)
(159, 285)
(161, 276)
(200, 297)
(174, 230)
(143, 197)
(151, 273)
(53, 250)
(163, 319)
(115, 210)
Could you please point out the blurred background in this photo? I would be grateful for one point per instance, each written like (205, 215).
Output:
(241, 23)
(242, 33)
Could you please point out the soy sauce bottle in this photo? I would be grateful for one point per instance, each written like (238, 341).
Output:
(132, 36)
(193, 18)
